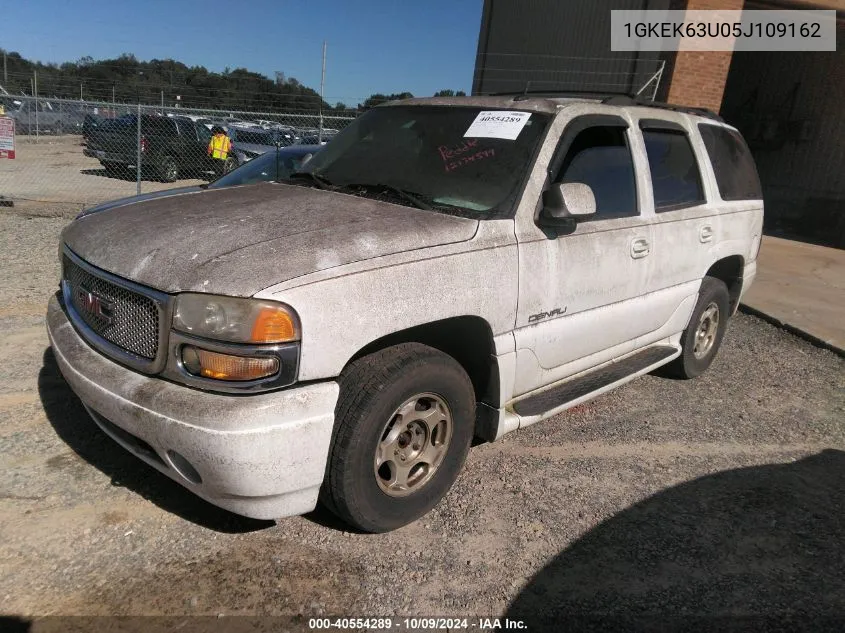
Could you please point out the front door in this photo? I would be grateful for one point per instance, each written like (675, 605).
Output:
(581, 297)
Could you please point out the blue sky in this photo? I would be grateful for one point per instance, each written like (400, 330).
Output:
(373, 45)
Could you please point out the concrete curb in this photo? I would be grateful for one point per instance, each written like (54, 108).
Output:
(815, 340)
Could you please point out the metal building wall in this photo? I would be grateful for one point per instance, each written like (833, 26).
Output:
(789, 106)
(557, 45)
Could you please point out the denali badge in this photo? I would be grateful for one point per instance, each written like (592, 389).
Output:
(94, 304)
(547, 315)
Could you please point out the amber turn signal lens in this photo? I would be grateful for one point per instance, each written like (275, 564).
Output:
(201, 362)
(273, 325)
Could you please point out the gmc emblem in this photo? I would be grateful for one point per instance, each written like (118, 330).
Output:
(94, 304)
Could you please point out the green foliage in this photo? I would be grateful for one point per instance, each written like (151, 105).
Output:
(378, 98)
(131, 80)
(450, 93)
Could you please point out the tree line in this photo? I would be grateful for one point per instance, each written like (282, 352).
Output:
(126, 79)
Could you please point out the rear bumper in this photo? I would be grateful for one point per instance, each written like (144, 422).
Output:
(112, 157)
(261, 456)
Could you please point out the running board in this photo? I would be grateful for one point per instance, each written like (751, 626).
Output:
(592, 381)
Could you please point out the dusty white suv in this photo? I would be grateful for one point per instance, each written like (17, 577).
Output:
(444, 268)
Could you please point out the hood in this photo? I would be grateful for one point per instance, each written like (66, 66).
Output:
(240, 240)
(111, 204)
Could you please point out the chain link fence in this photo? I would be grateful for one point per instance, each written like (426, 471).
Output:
(73, 154)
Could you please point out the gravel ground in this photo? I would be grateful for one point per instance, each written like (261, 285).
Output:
(715, 501)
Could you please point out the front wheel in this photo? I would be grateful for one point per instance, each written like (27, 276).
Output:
(701, 340)
(403, 426)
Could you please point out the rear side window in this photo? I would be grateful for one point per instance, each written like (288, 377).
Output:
(733, 165)
(188, 129)
(674, 171)
(158, 126)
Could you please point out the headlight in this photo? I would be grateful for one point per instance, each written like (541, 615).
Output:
(234, 319)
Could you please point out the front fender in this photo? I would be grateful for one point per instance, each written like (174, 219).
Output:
(345, 308)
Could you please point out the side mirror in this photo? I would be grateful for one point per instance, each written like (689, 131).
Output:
(564, 203)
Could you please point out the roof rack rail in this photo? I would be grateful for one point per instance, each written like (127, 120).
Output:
(590, 94)
(625, 100)
(619, 99)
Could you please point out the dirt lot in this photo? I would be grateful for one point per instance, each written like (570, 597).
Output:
(718, 501)
(52, 176)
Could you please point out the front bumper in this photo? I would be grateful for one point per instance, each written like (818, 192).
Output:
(261, 456)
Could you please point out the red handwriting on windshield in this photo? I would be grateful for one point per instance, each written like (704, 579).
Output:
(448, 153)
(454, 157)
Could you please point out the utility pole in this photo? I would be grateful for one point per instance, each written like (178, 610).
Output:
(5, 73)
(80, 91)
(112, 93)
(162, 101)
(35, 89)
(322, 86)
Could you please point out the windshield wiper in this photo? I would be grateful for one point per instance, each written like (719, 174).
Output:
(320, 181)
(405, 195)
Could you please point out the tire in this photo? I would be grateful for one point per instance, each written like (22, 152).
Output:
(701, 340)
(374, 391)
(169, 170)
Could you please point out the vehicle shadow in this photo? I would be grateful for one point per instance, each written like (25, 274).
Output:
(759, 548)
(76, 428)
(114, 175)
(14, 624)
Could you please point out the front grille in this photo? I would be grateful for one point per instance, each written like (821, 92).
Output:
(123, 317)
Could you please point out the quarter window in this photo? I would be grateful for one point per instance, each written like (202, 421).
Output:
(675, 178)
(600, 157)
(733, 166)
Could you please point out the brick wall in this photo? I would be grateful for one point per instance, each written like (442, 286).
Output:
(698, 78)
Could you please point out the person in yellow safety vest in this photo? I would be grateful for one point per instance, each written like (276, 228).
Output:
(219, 147)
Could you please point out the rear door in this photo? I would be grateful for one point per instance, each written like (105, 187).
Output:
(686, 227)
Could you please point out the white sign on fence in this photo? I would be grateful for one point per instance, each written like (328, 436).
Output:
(7, 137)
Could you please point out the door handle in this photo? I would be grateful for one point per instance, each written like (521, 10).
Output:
(640, 248)
(705, 233)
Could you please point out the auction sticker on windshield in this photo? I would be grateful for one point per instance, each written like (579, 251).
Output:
(7, 137)
(497, 124)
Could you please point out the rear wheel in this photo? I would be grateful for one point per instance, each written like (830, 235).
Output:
(168, 169)
(404, 423)
(701, 340)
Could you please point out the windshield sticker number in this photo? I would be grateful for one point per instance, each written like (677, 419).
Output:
(498, 124)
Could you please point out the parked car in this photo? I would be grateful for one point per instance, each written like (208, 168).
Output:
(442, 269)
(248, 143)
(50, 118)
(170, 147)
(275, 166)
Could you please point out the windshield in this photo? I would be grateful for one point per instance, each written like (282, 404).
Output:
(456, 159)
(264, 168)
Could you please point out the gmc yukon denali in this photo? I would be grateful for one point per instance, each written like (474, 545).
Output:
(446, 268)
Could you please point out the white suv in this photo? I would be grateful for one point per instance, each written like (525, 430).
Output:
(445, 268)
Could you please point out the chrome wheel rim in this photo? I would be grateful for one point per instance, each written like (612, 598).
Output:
(413, 444)
(705, 333)
(171, 171)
